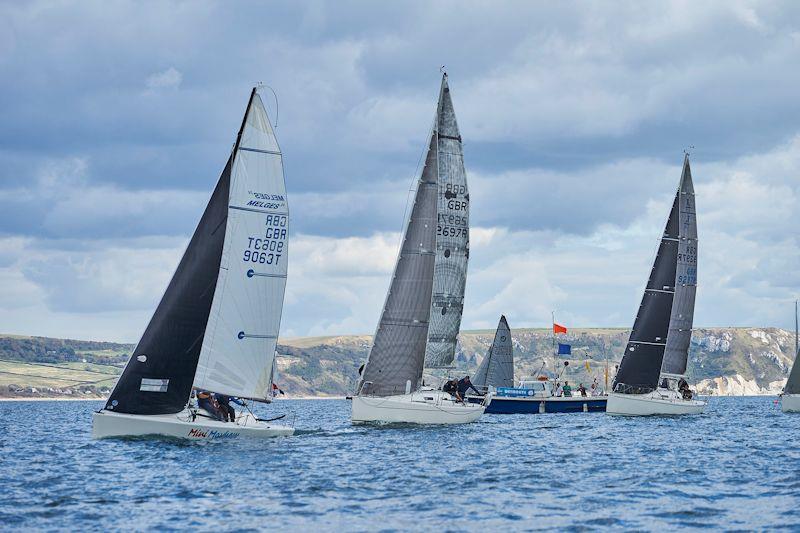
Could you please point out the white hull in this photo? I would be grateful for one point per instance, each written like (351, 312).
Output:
(420, 407)
(659, 402)
(110, 424)
(790, 403)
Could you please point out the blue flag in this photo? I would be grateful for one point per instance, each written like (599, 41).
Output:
(564, 349)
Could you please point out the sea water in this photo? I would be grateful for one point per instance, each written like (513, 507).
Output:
(736, 466)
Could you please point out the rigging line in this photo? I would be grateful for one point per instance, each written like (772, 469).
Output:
(3, 360)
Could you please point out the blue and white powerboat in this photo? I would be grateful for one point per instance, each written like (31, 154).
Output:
(539, 396)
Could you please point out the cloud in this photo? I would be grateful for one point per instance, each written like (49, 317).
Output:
(168, 79)
(574, 116)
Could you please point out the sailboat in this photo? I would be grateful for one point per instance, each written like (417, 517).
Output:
(422, 313)
(531, 395)
(651, 376)
(216, 326)
(497, 368)
(790, 399)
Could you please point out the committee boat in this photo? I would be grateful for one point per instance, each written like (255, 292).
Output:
(421, 317)
(495, 376)
(790, 398)
(216, 326)
(651, 376)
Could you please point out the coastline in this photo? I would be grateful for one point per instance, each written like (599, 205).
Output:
(61, 399)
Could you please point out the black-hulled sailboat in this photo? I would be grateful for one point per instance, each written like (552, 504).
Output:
(651, 377)
(790, 398)
(422, 313)
(217, 324)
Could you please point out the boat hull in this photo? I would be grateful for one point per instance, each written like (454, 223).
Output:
(107, 424)
(577, 404)
(790, 403)
(421, 407)
(654, 403)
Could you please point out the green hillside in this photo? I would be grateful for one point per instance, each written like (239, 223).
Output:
(722, 360)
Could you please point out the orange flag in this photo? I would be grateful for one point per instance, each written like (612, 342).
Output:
(558, 328)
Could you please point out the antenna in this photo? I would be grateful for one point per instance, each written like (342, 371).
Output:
(443, 70)
(261, 85)
(687, 150)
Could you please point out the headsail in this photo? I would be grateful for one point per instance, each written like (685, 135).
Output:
(158, 377)
(452, 236)
(398, 349)
(497, 368)
(661, 315)
(239, 345)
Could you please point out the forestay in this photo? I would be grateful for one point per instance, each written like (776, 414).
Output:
(497, 368)
(452, 236)
(641, 364)
(239, 346)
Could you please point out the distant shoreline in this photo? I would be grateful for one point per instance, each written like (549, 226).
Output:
(61, 399)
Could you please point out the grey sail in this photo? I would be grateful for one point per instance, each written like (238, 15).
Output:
(641, 364)
(398, 350)
(680, 324)
(497, 368)
(793, 383)
(452, 236)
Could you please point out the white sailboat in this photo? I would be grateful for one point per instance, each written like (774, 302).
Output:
(422, 314)
(651, 376)
(217, 324)
(790, 399)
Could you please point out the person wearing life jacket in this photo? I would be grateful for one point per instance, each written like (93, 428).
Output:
(451, 387)
(224, 403)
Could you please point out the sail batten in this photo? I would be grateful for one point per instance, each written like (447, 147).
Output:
(661, 334)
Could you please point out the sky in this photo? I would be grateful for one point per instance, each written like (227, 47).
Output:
(117, 118)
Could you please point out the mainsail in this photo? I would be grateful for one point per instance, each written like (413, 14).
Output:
(422, 314)
(497, 368)
(452, 236)
(161, 371)
(659, 341)
(242, 333)
(793, 383)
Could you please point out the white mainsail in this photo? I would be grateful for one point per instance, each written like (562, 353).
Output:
(242, 332)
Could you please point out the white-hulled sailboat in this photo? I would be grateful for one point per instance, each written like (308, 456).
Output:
(217, 324)
(790, 398)
(422, 313)
(651, 376)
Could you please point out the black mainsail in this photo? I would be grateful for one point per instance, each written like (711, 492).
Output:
(422, 313)
(497, 368)
(659, 341)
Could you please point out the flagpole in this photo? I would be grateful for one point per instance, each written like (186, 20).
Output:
(553, 337)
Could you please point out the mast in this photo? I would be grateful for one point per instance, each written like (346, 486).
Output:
(796, 331)
(662, 330)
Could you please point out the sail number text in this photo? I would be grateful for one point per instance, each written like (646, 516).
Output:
(267, 250)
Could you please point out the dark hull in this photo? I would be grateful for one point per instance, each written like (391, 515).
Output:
(510, 406)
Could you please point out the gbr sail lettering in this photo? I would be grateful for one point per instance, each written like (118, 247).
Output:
(268, 248)
(453, 222)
